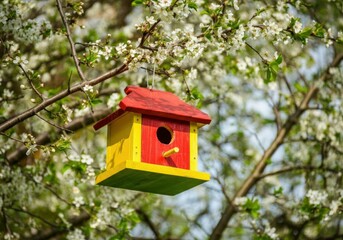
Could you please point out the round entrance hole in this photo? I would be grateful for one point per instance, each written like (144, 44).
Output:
(164, 135)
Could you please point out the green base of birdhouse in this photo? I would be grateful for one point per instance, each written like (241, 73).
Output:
(151, 178)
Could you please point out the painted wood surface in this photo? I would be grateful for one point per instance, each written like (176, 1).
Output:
(153, 148)
(156, 103)
(124, 140)
(162, 104)
(151, 178)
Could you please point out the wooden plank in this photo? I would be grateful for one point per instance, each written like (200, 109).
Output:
(153, 148)
(152, 178)
(193, 146)
(161, 104)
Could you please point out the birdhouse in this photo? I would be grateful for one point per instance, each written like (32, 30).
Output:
(152, 143)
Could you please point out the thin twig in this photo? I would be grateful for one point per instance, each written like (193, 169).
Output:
(69, 81)
(71, 43)
(31, 83)
(57, 195)
(276, 112)
(33, 215)
(253, 178)
(148, 221)
(147, 34)
(222, 186)
(7, 227)
(53, 124)
(290, 91)
(158, 72)
(11, 99)
(44, 138)
(78, 87)
(297, 168)
(10, 137)
(89, 100)
(252, 48)
(51, 233)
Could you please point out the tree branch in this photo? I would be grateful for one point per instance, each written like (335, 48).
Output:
(260, 166)
(144, 217)
(70, 40)
(33, 215)
(53, 124)
(78, 87)
(46, 138)
(53, 232)
(253, 178)
(31, 83)
(297, 168)
(257, 52)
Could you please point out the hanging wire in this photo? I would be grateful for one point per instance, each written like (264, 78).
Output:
(147, 77)
(153, 76)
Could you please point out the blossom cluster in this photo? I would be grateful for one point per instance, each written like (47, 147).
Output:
(25, 30)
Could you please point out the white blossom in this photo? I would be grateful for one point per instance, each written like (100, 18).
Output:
(151, 20)
(20, 60)
(76, 235)
(121, 48)
(334, 206)
(88, 88)
(68, 111)
(38, 178)
(106, 52)
(340, 35)
(7, 94)
(113, 100)
(241, 65)
(297, 27)
(271, 232)
(31, 149)
(78, 201)
(235, 5)
(192, 74)
(316, 197)
(230, 16)
(85, 158)
(214, 6)
(240, 201)
(164, 3)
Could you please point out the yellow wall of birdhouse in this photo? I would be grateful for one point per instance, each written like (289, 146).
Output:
(124, 140)
(193, 141)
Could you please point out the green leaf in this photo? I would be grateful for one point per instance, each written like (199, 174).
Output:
(306, 32)
(77, 167)
(274, 67)
(62, 144)
(278, 191)
(65, 168)
(252, 206)
(270, 75)
(302, 36)
(278, 60)
(136, 2)
(196, 93)
(262, 237)
(318, 30)
(293, 21)
(300, 88)
(96, 101)
(208, 36)
(193, 5)
(272, 70)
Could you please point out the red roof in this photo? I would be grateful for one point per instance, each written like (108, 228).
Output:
(155, 103)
